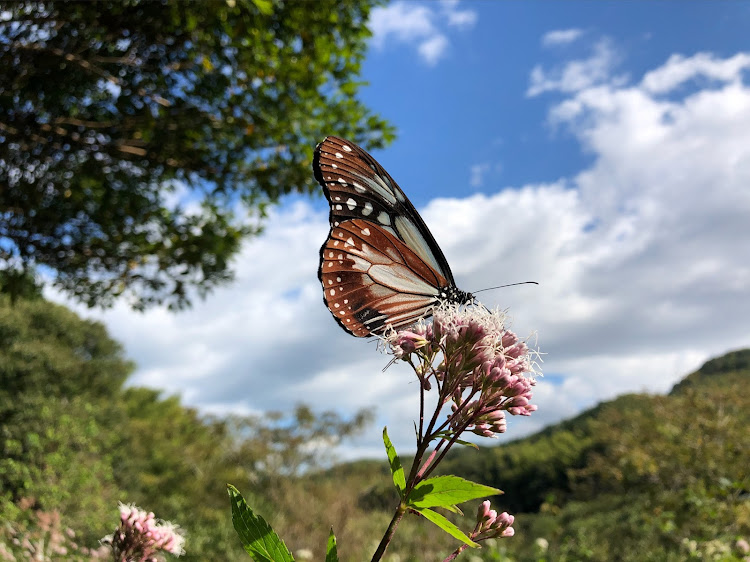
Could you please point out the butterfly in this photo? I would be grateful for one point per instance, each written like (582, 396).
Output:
(380, 266)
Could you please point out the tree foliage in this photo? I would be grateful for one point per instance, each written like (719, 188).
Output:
(58, 375)
(131, 133)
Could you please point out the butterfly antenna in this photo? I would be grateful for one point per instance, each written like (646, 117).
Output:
(508, 285)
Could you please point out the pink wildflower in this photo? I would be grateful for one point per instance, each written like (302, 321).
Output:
(492, 525)
(142, 537)
(483, 369)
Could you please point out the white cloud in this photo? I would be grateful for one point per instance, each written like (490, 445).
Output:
(561, 37)
(643, 260)
(433, 49)
(401, 21)
(477, 174)
(423, 26)
(577, 74)
(680, 69)
(462, 19)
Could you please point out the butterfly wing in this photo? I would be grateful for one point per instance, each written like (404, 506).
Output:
(372, 279)
(357, 187)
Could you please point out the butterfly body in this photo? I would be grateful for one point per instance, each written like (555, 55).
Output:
(380, 265)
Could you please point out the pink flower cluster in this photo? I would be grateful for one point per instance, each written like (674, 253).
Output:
(141, 537)
(492, 525)
(483, 369)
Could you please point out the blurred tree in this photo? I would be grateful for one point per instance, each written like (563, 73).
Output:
(277, 446)
(130, 132)
(59, 379)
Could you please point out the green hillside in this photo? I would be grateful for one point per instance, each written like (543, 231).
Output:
(638, 478)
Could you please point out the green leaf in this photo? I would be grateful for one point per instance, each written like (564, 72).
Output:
(445, 491)
(453, 509)
(449, 435)
(259, 540)
(396, 469)
(331, 553)
(467, 443)
(447, 526)
(265, 7)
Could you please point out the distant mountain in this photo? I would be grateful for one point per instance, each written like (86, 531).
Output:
(734, 363)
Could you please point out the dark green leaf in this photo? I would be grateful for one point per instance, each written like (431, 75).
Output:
(259, 540)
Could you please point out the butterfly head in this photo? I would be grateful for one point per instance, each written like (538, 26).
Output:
(453, 294)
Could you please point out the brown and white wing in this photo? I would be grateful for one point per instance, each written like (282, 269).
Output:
(357, 187)
(372, 279)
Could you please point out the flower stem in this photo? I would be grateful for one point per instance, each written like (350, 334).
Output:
(427, 463)
(400, 510)
(455, 553)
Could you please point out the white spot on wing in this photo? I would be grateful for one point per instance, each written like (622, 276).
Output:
(351, 203)
(358, 187)
(342, 180)
(383, 218)
(368, 208)
(366, 231)
(346, 148)
(339, 155)
(350, 241)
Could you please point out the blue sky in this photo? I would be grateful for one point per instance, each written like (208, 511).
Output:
(470, 106)
(600, 148)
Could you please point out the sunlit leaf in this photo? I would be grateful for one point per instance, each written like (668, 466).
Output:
(397, 470)
(265, 7)
(447, 526)
(331, 553)
(257, 536)
(445, 491)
